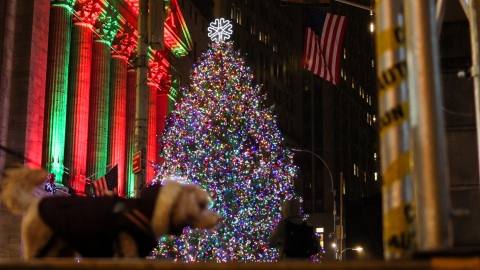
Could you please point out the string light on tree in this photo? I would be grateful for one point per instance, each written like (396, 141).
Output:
(220, 30)
(223, 138)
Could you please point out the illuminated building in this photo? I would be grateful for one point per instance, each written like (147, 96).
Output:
(68, 88)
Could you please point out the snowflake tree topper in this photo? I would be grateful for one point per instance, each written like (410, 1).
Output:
(220, 30)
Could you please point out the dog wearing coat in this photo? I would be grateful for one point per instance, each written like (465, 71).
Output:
(104, 226)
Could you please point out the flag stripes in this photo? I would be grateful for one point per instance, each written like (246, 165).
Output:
(322, 50)
(107, 185)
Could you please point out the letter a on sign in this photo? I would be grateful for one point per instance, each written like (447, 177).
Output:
(137, 162)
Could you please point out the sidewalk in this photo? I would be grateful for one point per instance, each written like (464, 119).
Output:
(438, 263)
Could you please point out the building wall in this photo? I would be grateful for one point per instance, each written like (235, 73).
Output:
(197, 15)
(25, 117)
(460, 126)
(347, 123)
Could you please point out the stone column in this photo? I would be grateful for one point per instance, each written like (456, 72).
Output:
(162, 112)
(99, 98)
(117, 125)
(56, 88)
(130, 131)
(117, 117)
(152, 130)
(76, 135)
(27, 98)
(8, 10)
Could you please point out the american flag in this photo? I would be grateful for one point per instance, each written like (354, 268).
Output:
(323, 44)
(107, 185)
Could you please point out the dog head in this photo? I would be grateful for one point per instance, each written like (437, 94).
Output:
(17, 185)
(178, 206)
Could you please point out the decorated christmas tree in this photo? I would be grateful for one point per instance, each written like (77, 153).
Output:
(224, 139)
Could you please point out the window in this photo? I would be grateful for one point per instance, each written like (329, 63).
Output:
(370, 101)
(232, 12)
(252, 28)
(364, 176)
(375, 155)
(353, 82)
(343, 187)
(239, 16)
(266, 38)
(341, 73)
(375, 176)
(290, 57)
(368, 117)
(354, 169)
(372, 28)
(260, 34)
(374, 119)
(360, 91)
(274, 47)
(344, 53)
(373, 63)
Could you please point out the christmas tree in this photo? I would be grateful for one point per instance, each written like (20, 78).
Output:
(222, 138)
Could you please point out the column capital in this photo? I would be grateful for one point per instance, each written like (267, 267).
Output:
(86, 11)
(65, 3)
(124, 44)
(158, 73)
(106, 28)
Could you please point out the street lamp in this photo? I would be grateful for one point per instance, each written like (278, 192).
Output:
(333, 192)
(355, 248)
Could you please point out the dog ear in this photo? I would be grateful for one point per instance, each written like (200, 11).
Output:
(164, 205)
(187, 207)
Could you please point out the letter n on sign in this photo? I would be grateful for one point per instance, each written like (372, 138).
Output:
(137, 162)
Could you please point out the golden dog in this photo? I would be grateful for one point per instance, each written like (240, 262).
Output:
(105, 226)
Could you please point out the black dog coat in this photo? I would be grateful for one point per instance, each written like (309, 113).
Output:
(91, 225)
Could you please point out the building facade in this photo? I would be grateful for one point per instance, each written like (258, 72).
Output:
(68, 90)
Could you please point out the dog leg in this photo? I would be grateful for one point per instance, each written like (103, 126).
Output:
(35, 233)
(127, 245)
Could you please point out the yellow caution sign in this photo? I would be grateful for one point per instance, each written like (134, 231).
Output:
(390, 40)
(398, 234)
(392, 77)
(394, 117)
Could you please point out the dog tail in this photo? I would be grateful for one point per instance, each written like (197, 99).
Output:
(17, 186)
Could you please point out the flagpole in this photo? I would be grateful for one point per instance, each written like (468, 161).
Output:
(356, 5)
(116, 161)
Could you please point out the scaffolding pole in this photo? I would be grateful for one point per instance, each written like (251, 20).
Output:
(393, 104)
(473, 15)
(141, 100)
(429, 173)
